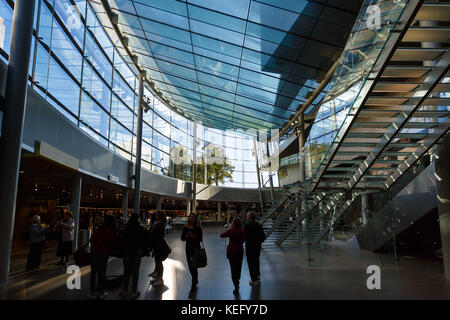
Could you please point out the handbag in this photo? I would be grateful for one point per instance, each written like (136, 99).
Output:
(165, 251)
(199, 258)
(82, 257)
(113, 282)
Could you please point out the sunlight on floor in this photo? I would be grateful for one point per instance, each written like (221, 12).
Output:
(171, 267)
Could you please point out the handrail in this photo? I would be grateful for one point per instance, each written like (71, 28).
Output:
(259, 189)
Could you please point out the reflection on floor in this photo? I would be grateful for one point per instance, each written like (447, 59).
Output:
(338, 273)
(20, 250)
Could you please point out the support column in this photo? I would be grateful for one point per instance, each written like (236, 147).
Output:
(75, 207)
(364, 208)
(301, 145)
(219, 209)
(303, 204)
(137, 173)
(443, 194)
(188, 207)
(194, 181)
(125, 194)
(272, 197)
(12, 125)
(259, 177)
(158, 203)
(206, 171)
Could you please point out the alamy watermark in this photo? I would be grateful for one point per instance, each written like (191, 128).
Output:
(74, 280)
(374, 280)
(374, 17)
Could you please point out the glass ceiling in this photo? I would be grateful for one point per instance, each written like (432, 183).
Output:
(236, 64)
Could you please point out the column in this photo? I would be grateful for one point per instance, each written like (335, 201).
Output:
(75, 206)
(301, 145)
(188, 207)
(137, 173)
(125, 194)
(158, 203)
(364, 208)
(194, 181)
(443, 194)
(13, 118)
(258, 174)
(219, 210)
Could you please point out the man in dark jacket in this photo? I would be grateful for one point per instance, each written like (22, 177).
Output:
(256, 237)
(134, 240)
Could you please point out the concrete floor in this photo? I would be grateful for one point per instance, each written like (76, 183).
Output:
(337, 272)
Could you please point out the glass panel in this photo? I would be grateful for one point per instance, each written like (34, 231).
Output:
(94, 116)
(63, 88)
(120, 136)
(96, 87)
(6, 13)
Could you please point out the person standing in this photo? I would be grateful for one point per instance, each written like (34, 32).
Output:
(66, 227)
(37, 240)
(160, 248)
(256, 237)
(134, 241)
(193, 235)
(235, 250)
(102, 243)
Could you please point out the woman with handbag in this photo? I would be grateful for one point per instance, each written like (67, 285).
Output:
(161, 250)
(235, 250)
(193, 236)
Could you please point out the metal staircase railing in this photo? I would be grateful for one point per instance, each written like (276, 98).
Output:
(395, 129)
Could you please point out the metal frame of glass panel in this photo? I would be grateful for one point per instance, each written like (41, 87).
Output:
(232, 68)
(104, 82)
(396, 121)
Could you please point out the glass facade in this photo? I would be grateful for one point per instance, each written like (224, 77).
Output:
(75, 67)
(235, 63)
(361, 52)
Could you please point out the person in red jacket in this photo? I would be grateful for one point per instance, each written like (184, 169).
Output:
(102, 243)
(235, 250)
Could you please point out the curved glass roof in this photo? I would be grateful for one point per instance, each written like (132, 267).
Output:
(236, 63)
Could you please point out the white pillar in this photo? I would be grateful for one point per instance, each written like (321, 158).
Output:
(188, 207)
